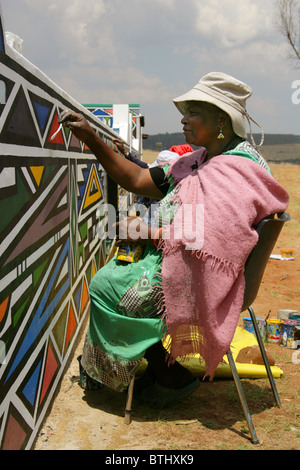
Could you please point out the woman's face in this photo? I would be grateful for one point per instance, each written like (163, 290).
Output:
(201, 123)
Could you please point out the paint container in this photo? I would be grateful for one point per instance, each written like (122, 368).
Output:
(285, 314)
(273, 330)
(248, 325)
(262, 326)
(261, 323)
(290, 333)
(130, 252)
(294, 317)
(287, 254)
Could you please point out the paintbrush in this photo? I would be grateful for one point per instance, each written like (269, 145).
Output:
(55, 133)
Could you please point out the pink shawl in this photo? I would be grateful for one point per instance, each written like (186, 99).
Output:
(203, 275)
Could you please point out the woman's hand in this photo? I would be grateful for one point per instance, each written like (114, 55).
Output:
(78, 125)
(125, 173)
(133, 229)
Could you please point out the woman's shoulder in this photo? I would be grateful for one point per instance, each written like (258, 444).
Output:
(245, 149)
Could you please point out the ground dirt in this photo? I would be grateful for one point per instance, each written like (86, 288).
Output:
(212, 418)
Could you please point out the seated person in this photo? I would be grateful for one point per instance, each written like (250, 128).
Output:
(188, 286)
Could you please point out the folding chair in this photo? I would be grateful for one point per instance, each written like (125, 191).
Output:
(268, 231)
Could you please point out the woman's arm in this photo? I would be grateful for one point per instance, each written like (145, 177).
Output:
(124, 172)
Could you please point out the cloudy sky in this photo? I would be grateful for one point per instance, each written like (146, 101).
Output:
(151, 51)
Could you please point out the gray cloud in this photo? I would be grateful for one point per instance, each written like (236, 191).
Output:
(116, 51)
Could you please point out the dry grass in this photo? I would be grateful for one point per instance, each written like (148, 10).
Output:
(270, 152)
(149, 156)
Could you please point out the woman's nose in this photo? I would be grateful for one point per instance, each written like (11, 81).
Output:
(184, 118)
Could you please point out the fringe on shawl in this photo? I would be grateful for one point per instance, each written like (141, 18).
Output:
(217, 264)
(192, 334)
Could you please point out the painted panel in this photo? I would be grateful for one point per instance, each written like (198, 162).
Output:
(50, 192)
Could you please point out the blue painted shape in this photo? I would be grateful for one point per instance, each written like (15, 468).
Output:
(41, 316)
(30, 389)
(100, 112)
(82, 186)
(80, 197)
(77, 298)
(42, 113)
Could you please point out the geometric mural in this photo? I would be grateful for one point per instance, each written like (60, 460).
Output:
(50, 191)
(104, 112)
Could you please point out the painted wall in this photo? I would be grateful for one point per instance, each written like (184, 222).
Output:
(125, 119)
(50, 191)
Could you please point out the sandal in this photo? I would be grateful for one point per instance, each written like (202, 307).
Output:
(160, 397)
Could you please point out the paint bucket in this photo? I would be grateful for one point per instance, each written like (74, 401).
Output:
(262, 326)
(130, 252)
(285, 314)
(294, 317)
(290, 333)
(287, 254)
(248, 325)
(273, 330)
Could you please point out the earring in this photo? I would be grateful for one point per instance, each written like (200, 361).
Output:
(221, 135)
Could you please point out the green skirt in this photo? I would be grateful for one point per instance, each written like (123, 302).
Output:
(124, 318)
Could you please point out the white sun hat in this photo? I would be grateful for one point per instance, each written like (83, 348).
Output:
(228, 94)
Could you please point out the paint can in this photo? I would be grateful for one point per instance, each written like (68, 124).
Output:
(261, 323)
(262, 326)
(287, 254)
(290, 333)
(248, 325)
(284, 314)
(130, 252)
(273, 330)
(294, 316)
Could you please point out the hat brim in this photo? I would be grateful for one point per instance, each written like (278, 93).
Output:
(237, 119)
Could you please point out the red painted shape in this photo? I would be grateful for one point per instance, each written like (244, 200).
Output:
(50, 369)
(71, 326)
(14, 435)
(58, 139)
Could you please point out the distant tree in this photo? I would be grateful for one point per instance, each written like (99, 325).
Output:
(289, 24)
(159, 146)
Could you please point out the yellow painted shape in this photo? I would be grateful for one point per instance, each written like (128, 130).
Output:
(37, 172)
(91, 198)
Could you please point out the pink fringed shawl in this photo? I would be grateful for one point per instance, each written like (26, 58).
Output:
(203, 277)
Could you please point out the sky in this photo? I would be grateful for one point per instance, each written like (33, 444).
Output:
(150, 52)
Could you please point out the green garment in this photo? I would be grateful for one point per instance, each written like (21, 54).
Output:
(244, 149)
(125, 315)
(124, 293)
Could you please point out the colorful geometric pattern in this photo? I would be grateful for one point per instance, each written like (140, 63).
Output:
(50, 191)
(104, 112)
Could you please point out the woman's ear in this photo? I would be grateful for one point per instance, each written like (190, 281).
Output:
(224, 121)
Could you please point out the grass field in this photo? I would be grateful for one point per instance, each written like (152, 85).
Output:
(270, 152)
